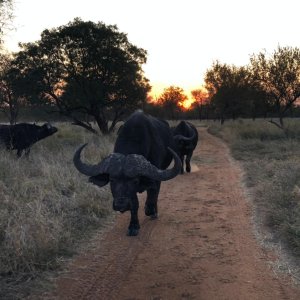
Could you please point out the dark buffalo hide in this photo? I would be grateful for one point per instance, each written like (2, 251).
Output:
(142, 154)
(23, 135)
(185, 137)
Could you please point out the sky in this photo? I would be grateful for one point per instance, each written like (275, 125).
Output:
(182, 37)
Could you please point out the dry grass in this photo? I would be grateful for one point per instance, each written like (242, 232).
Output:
(271, 159)
(46, 206)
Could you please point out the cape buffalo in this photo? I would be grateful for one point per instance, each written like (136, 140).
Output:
(139, 162)
(23, 135)
(185, 137)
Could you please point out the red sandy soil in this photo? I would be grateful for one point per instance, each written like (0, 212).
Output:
(202, 246)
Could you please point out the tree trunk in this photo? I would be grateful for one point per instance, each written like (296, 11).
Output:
(84, 125)
(200, 112)
(277, 125)
(102, 124)
(13, 115)
(281, 121)
(116, 119)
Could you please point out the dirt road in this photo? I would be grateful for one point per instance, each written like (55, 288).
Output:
(202, 245)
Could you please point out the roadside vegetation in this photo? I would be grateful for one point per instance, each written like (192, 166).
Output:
(271, 160)
(46, 206)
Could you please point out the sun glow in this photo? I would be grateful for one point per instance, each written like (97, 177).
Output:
(172, 61)
(158, 89)
(186, 105)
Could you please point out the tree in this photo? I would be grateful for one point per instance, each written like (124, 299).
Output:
(201, 98)
(171, 100)
(88, 70)
(6, 16)
(230, 90)
(279, 76)
(10, 100)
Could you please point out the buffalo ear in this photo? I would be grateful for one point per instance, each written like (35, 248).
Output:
(100, 180)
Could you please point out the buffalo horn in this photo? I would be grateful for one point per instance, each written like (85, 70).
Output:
(184, 138)
(105, 166)
(138, 165)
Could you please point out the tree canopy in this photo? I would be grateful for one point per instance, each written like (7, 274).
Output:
(9, 99)
(6, 16)
(201, 98)
(171, 100)
(232, 91)
(89, 71)
(278, 75)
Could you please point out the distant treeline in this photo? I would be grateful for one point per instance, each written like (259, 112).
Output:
(268, 87)
(90, 74)
(207, 112)
(42, 114)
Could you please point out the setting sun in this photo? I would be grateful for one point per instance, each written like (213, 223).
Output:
(158, 89)
(186, 104)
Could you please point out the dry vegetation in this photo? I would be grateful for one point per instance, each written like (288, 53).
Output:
(46, 206)
(271, 159)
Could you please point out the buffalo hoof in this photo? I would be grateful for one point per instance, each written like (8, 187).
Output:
(149, 210)
(132, 232)
(154, 216)
(188, 169)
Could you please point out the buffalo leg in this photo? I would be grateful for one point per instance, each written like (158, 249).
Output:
(182, 163)
(27, 151)
(188, 162)
(134, 226)
(19, 152)
(151, 202)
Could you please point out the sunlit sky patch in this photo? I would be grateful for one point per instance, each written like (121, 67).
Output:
(182, 38)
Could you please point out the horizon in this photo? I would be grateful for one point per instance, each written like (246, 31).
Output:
(182, 38)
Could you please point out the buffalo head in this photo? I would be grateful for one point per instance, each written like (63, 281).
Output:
(47, 129)
(184, 143)
(127, 174)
